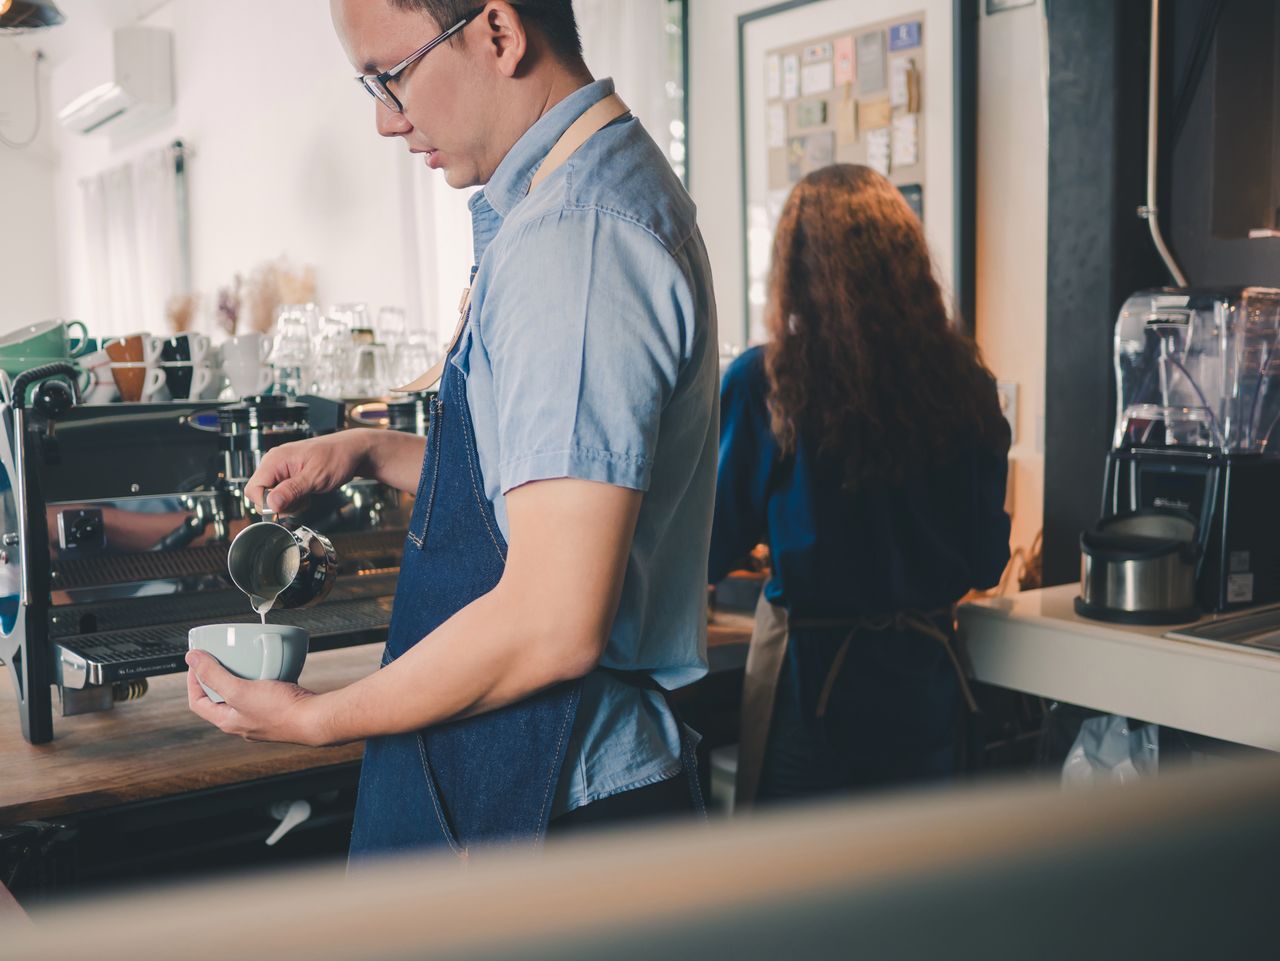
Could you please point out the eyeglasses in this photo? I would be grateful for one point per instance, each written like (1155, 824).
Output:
(376, 84)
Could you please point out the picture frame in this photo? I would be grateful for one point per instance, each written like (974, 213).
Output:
(946, 34)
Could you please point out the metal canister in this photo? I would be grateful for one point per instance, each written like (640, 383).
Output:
(1140, 568)
(282, 563)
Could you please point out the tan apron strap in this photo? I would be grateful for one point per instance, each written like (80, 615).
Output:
(930, 629)
(906, 619)
(759, 686)
(432, 377)
(580, 131)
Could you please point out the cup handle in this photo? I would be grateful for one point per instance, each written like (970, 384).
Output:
(88, 379)
(83, 344)
(265, 349)
(272, 657)
(153, 383)
(199, 347)
(266, 377)
(200, 382)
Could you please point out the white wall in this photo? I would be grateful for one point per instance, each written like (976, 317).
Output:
(28, 247)
(287, 161)
(1012, 253)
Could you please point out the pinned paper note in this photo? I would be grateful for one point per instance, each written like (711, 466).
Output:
(878, 150)
(904, 36)
(816, 52)
(906, 140)
(811, 113)
(816, 78)
(913, 194)
(842, 51)
(772, 77)
(846, 121)
(874, 114)
(899, 84)
(870, 63)
(809, 153)
(777, 126)
(790, 77)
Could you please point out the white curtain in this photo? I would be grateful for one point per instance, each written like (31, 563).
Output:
(132, 233)
(627, 40)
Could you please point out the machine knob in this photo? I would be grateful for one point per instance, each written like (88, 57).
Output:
(54, 398)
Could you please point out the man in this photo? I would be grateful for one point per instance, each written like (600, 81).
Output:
(553, 573)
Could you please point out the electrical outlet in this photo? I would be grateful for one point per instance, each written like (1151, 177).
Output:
(1008, 395)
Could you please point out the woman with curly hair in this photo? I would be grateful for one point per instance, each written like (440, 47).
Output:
(864, 444)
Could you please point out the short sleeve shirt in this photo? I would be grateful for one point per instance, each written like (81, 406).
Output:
(590, 353)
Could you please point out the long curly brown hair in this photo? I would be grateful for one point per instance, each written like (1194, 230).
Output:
(862, 359)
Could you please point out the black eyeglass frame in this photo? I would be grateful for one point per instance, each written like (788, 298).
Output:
(375, 84)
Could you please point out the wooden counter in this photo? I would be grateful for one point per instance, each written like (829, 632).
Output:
(156, 748)
(153, 748)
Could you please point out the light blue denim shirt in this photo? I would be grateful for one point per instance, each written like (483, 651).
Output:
(591, 353)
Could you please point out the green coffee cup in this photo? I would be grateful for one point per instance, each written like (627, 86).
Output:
(48, 340)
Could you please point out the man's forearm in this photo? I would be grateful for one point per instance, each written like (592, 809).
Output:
(490, 654)
(391, 457)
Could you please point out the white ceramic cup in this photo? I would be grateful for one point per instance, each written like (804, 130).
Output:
(248, 379)
(245, 349)
(255, 652)
(101, 386)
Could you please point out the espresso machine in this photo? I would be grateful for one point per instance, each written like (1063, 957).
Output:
(115, 522)
(1197, 438)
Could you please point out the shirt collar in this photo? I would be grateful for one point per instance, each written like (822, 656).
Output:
(510, 182)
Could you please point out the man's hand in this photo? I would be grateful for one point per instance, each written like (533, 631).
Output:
(295, 471)
(254, 710)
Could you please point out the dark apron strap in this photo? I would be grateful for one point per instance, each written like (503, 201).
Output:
(688, 742)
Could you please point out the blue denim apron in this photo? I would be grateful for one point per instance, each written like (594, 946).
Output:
(491, 777)
(485, 778)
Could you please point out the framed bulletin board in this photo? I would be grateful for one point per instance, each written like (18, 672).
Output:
(884, 83)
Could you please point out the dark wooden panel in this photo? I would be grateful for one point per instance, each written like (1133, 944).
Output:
(1099, 250)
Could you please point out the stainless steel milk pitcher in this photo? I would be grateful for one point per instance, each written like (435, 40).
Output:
(281, 563)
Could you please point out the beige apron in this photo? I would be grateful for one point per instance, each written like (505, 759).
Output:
(764, 665)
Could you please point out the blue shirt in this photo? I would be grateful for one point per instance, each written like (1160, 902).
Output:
(591, 353)
(920, 544)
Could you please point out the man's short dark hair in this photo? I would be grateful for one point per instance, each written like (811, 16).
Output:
(554, 18)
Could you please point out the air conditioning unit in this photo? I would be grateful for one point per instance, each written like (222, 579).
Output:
(121, 84)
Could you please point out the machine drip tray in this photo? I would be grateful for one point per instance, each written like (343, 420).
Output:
(1255, 629)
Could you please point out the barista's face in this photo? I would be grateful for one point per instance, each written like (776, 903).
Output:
(449, 95)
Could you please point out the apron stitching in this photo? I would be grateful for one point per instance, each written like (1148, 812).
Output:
(564, 722)
(437, 424)
(435, 802)
(481, 501)
(433, 439)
